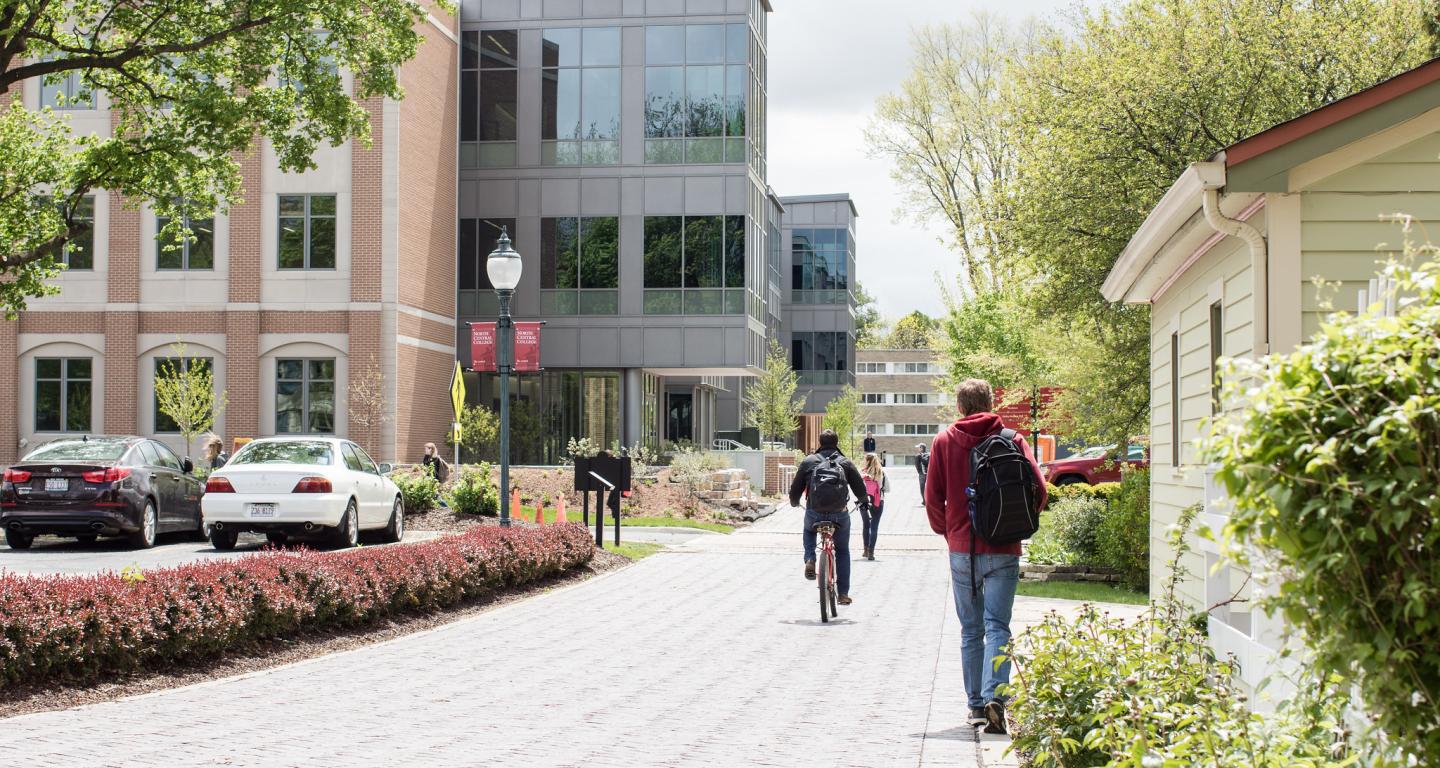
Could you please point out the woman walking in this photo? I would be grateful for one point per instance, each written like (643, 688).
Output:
(213, 453)
(876, 485)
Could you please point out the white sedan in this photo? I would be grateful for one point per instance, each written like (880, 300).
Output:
(301, 486)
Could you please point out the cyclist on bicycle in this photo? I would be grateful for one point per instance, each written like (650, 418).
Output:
(827, 479)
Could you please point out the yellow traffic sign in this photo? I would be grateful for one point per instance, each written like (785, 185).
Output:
(457, 390)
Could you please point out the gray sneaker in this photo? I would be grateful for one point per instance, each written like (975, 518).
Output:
(995, 716)
(977, 716)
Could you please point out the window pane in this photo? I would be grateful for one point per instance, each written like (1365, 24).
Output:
(735, 251)
(322, 243)
(77, 406)
(498, 48)
(704, 264)
(322, 407)
(469, 109)
(662, 302)
(736, 80)
(47, 368)
(322, 205)
(352, 462)
(292, 243)
(664, 102)
(497, 105)
(560, 104)
(665, 45)
(665, 151)
(705, 105)
(467, 265)
(705, 44)
(707, 302)
(559, 244)
(164, 456)
(292, 205)
(599, 302)
(737, 47)
(600, 252)
(77, 368)
(169, 250)
(560, 48)
(489, 235)
(290, 370)
(323, 370)
(470, 50)
(662, 251)
(201, 250)
(601, 119)
(288, 409)
(146, 451)
(47, 405)
(602, 47)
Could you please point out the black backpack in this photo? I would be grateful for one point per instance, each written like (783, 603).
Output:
(828, 490)
(1004, 500)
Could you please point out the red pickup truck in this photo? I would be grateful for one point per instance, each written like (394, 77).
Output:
(1092, 465)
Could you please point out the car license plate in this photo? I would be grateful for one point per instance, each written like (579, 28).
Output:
(262, 510)
(53, 484)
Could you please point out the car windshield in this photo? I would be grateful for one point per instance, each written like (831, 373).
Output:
(1094, 452)
(285, 452)
(78, 450)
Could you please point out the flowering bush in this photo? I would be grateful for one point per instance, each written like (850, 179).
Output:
(83, 627)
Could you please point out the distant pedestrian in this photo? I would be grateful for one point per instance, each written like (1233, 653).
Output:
(869, 444)
(213, 453)
(922, 467)
(433, 465)
(876, 486)
(984, 564)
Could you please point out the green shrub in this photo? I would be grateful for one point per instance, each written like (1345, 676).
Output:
(473, 493)
(1068, 532)
(418, 490)
(1102, 691)
(1122, 541)
(1331, 463)
(1082, 491)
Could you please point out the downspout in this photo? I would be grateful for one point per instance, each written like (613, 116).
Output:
(1212, 176)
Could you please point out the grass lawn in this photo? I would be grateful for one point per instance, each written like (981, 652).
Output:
(635, 551)
(574, 516)
(1089, 591)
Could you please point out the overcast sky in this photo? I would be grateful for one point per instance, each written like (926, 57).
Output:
(829, 62)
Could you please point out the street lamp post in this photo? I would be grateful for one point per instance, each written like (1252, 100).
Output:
(503, 267)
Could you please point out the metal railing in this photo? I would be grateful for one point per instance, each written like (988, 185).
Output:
(724, 444)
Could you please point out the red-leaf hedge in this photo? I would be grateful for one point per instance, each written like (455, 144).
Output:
(82, 627)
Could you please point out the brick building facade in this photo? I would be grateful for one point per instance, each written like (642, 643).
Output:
(284, 338)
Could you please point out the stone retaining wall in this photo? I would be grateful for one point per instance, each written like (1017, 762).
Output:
(1033, 572)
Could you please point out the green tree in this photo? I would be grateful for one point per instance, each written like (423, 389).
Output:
(771, 405)
(191, 85)
(913, 331)
(479, 429)
(991, 336)
(186, 393)
(843, 416)
(869, 326)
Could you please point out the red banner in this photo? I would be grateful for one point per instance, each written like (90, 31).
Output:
(527, 347)
(482, 347)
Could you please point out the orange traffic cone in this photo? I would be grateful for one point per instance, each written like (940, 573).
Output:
(539, 513)
(560, 509)
(515, 505)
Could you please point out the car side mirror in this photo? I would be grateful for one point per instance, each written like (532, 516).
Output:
(187, 466)
(385, 469)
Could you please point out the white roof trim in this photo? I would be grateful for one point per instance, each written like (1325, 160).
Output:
(1182, 201)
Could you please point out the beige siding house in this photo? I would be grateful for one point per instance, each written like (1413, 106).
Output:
(1231, 262)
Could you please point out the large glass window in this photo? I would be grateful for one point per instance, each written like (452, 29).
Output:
(179, 365)
(476, 240)
(79, 253)
(820, 266)
(62, 394)
(305, 396)
(307, 232)
(193, 248)
(488, 97)
(65, 91)
(580, 96)
(697, 82)
(821, 357)
(580, 265)
(694, 265)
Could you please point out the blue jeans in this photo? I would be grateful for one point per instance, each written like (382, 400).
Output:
(842, 543)
(984, 620)
(870, 525)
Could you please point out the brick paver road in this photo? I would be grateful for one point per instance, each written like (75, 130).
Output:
(707, 654)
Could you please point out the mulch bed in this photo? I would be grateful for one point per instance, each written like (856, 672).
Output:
(20, 699)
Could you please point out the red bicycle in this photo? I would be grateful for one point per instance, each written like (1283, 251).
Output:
(829, 595)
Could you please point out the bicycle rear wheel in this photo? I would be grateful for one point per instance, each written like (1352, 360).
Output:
(823, 579)
(832, 591)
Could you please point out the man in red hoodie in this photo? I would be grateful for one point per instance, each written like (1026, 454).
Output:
(984, 612)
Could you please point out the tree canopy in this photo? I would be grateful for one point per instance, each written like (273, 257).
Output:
(1102, 109)
(913, 331)
(190, 84)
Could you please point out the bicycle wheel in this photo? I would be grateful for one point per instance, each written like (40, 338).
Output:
(834, 605)
(823, 579)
